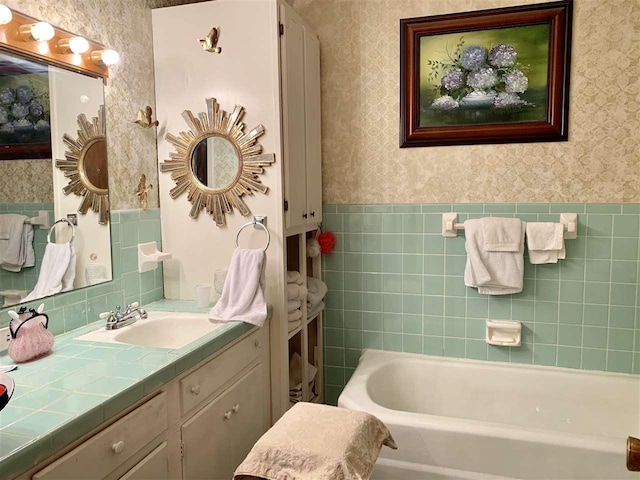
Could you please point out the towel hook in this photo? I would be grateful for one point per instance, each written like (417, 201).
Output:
(257, 222)
(73, 230)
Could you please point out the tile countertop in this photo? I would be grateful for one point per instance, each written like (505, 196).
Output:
(81, 384)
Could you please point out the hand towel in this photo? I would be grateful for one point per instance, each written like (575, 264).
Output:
(293, 305)
(16, 242)
(492, 273)
(545, 241)
(294, 277)
(313, 312)
(296, 292)
(501, 234)
(57, 271)
(293, 325)
(295, 315)
(317, 290)
(317, 442)
(242, 298)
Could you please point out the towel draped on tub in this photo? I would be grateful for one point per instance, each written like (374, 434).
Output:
(317, 442)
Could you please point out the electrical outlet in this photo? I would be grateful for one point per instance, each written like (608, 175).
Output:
(5, 338)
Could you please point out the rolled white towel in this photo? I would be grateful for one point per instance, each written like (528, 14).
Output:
(317, 291)
(295, 315)
(294, 277)
(293, 305)
(296, 292)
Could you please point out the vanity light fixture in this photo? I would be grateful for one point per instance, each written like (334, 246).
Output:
(40, 32)
(5, 15)
(77, 45)
(106, 57)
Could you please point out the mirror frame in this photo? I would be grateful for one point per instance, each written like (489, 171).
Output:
(216, 122)
(89, 133)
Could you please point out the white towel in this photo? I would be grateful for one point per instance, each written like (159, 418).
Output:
(313, 312)
(493, 273)
(296, 292)
(57, 272)
(293, 325)
(501, 234)
(294, 316)
(16, 242)
(242, 298)
(545, 241)
(317, 290)
(294, 277)
(293, 305)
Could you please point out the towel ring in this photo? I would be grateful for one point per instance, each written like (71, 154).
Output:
(266, 230)
(73, 230)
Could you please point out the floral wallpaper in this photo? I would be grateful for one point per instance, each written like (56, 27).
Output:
(360, 103)
(125, 26)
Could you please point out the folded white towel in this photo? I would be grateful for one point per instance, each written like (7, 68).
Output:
(501, 234)
(317, 290)
(293, 305)
(16, 242)
(293, 325)
(296, 292)
(313, 312)
(57, 272)
(545, 241)
(493, 273)
(295, 315)
(242, 298)
(294, 277)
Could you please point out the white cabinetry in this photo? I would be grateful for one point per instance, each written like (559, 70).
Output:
(200, 425)
(300, 75)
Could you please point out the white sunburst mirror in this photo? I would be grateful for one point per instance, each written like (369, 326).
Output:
(216, 163)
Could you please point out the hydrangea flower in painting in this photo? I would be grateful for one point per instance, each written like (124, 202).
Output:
(19, 111)
(509, 100)
(483, 79)
(503, 56)
(36, 109)
(453, 79)
(516, 82)
(7, 96)
(7, 128)
(473, 58)
(41, 126)
(445, 102)
(4, 115)
(24, 95)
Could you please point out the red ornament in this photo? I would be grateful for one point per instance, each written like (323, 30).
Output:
(327, 241)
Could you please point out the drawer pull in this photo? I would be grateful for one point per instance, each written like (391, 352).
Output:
(258, 344)
(195, 390)
(227, 415)
(236, 408)
(118, 447)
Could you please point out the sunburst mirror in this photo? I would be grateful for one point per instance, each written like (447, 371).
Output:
(85, 165)
(216, 163)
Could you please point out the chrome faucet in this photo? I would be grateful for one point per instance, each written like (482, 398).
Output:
(119, 319)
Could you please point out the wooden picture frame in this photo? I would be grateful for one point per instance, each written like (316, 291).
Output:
(484, 77)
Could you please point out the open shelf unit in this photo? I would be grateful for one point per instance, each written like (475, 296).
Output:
(306, 339)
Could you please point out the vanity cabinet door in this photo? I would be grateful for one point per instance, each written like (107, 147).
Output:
(217, 438)
(153, 466)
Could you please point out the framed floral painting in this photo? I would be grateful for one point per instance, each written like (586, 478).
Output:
(490, 76)
(25, 130)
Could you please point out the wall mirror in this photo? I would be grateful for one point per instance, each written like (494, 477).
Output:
(51, 115)
(216, 163)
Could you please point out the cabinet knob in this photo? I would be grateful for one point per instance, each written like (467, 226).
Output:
(227, 415)
(118, 447)
(258, 344)
(313, 214)
(195, 390)
(304, 215)
(236, 408)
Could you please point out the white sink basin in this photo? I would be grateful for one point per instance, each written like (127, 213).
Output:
(170, 330)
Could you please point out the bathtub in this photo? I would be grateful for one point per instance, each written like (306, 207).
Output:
(466, 419)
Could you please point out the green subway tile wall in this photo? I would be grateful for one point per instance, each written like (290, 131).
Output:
(26, 278)
(68, 311)
(396, 284)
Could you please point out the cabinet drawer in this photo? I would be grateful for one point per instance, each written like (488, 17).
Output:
(198, 385)
(153, 466)
(112, 447)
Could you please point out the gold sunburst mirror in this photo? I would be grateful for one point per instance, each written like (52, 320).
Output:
(85, 165)
(216, 163)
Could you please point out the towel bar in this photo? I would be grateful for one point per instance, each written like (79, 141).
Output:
(258, 222)
(450, 225)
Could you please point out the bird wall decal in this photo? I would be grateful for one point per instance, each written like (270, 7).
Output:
(144, 118)
(210, 42)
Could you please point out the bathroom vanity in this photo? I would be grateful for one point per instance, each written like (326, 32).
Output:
(195, 417)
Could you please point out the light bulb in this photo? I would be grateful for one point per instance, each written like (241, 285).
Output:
(5, 15)
(110, 57)
(42, 31)
(78, 45)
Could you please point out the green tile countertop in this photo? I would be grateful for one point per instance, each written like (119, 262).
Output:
(81, 384)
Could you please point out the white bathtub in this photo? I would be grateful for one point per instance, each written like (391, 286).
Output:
(465, 419)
